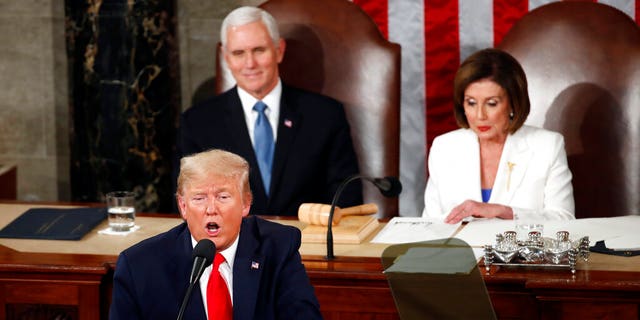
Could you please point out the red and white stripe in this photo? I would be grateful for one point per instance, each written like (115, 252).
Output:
(435, 36)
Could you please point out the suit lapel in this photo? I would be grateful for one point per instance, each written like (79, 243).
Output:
(469, 167)
(247, 271)
(288, 125)
(512, 169)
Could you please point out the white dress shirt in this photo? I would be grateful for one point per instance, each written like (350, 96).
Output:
(272, 100)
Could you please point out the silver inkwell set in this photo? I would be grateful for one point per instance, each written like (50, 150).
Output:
(536, 251)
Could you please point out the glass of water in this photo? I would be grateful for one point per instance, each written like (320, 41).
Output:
(122, 210)
(525, 224)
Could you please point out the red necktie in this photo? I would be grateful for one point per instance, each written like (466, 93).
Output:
(218, 299)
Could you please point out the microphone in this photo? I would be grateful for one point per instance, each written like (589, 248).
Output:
(388, 186)
(203, 254)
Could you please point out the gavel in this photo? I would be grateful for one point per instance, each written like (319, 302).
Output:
(318, 213)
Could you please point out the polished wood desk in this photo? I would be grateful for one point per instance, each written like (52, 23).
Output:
(8, 181)
(72, 280)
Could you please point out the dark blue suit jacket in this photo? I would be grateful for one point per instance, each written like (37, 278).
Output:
(152, 277)
(314, 151)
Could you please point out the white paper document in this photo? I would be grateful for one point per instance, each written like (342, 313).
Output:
(478, 233)
(626, 242)
(618, 232)
(414, 229)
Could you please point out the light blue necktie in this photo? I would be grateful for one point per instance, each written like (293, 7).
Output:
(263, 144)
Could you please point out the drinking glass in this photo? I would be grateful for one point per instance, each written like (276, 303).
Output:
(122, 210)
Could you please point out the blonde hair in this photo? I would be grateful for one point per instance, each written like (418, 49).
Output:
(218, 163)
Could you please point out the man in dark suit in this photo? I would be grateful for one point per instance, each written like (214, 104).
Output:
(262, 268)
(310, 148)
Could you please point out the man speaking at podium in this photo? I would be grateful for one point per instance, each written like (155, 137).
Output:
(257, 272)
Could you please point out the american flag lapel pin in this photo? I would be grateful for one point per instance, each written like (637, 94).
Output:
(255, 265)
(288, 123)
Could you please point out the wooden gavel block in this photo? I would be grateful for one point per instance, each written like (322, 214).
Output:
(318, 213)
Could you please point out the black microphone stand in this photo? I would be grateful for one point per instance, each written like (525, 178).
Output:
(336, 196)
(203, 254)
(388, 186)
(185, 300)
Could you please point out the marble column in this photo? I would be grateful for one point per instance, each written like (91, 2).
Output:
(125, 96)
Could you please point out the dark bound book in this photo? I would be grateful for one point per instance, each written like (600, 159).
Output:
(54, 224)
(601, 247)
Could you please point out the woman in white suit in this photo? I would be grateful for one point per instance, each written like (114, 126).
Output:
(494, 166)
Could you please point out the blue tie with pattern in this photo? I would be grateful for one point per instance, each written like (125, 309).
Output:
(263, 144)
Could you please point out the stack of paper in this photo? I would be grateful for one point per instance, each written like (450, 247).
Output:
(412, 229)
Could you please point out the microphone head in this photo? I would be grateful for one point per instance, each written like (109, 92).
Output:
(389, 186)
(206, 249)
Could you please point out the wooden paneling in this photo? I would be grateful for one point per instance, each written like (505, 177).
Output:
(42, 284)
(53, 286)
(79, 287)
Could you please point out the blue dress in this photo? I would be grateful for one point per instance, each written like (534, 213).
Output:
(486, 194)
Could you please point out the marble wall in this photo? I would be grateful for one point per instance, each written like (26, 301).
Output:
(40, 99)
(34, 125)
(123, 59)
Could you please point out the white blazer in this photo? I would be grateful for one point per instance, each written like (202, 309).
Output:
(533, 177)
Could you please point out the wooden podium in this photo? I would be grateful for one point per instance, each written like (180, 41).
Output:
(73, 279)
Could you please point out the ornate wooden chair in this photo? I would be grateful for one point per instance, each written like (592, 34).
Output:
(582, 61)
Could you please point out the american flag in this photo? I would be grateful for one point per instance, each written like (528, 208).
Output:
(436, 35)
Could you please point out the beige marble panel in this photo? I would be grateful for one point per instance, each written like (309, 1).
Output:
(28, 117)
(32, 8)
(199, 9)
(21, 129)
(60, 88)
(21, 66)
(47, 80)
(37, 179)
(199, 33)
(200, 52)
(25, 86)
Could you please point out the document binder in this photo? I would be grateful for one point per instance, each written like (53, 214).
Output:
(54, 224)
